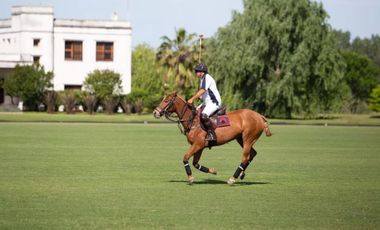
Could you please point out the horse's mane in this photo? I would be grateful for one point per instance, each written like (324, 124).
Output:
(191, 106)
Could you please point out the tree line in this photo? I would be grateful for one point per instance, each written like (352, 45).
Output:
(102, 92)
(280, 58)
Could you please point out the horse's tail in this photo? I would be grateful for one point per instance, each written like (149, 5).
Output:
(268, 133)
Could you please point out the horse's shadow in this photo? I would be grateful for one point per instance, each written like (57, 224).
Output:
(214, 182)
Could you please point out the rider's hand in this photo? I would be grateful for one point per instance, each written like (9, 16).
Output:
(190, 101)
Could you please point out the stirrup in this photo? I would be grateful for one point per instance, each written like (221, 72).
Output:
(210, 137)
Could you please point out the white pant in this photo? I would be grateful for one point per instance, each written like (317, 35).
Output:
(210, 108)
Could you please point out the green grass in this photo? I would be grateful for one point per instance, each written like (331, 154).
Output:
(335, 119)
(331, 119)
(79, 117)
(131, 176)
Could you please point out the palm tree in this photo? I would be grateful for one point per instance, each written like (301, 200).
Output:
(177, 57)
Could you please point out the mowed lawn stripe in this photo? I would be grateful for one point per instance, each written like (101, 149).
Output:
(120, 176)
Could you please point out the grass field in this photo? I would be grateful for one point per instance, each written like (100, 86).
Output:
(130, 176)
(372, 119)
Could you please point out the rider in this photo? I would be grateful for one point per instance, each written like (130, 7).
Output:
(210, 97)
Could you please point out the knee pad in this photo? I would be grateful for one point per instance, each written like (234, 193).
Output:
(204, 117)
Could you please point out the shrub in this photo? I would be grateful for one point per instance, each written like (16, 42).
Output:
(106, 86)
(110, 103)
(69, 99)
(143, 98)
(374, 101)
(139, 105)
(50, 100)
(88, 101)
(127, 104)
(29, 83)
(103, 83)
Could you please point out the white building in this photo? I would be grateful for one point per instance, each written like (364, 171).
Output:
(69, 48)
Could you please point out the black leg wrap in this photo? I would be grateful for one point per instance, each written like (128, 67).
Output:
(204, 169)
(238, 170)
(247, 165)
(251, 156)
(201, 168)
(187, 167)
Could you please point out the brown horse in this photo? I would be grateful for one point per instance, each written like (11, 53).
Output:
(246, 127)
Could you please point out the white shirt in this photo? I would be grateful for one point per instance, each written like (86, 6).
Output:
(212, 94)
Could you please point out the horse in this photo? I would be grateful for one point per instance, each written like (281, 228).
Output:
(246, 126)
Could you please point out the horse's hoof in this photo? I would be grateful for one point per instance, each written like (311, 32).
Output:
(242, 175)
(190, 180)
(231, 181)
(212, 171)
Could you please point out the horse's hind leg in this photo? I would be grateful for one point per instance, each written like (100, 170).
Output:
(201, 168)
(252, 154)
(248, 154)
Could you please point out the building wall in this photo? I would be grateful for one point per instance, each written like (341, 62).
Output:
(89, 32)
(28, 23)
(17, 34)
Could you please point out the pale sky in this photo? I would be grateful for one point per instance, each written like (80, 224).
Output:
(152, 19)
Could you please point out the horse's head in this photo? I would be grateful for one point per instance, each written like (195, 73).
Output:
(166, 105)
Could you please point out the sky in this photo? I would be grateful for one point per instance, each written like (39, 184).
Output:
(152, 19)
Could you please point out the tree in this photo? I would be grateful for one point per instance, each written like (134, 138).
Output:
(369, 47)
(343, 39)
(145, 74)
(29, 83)
(146, 79)
(103, 83)
(366, 46)
(279, 58)
(374, 101)
(361, 76)
(177, 57)
(106, 86)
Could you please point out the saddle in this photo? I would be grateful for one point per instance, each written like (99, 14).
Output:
(219, 118)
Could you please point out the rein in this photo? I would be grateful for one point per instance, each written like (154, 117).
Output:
(183, 129)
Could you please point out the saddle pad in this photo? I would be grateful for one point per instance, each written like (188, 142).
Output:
(222, 121)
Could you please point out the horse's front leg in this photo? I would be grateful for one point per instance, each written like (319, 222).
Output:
(202, 168)
(192, 150)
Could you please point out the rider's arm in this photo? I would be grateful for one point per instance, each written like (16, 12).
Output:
(196, 96)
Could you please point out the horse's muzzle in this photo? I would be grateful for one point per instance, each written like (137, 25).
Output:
(157, 113)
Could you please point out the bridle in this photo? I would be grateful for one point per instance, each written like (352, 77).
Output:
(164, 111)
(168, 115)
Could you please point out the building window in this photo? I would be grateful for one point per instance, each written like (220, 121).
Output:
(36, 41)
(104, 51)
(36, 59)
(73, 50)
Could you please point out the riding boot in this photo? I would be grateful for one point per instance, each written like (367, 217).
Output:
(211, 136)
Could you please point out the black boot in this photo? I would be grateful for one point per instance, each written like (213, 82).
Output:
(207, 123)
